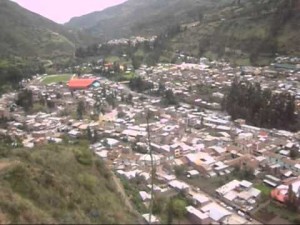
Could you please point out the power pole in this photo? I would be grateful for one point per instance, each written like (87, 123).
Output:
(152, 169)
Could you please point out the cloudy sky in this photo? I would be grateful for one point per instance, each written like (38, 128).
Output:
(62, 11)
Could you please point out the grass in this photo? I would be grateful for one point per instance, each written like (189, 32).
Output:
(265, 190)
(282, 212)
(62, 183)
(112, 59)
(128, 76)
(56, 78)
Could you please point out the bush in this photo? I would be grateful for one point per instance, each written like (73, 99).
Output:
(89, 182)
(84, 157)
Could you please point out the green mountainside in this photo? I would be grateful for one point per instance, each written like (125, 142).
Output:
(141, 17)
(58, 184)
(25, 33)
(245, 32)
(248, 32)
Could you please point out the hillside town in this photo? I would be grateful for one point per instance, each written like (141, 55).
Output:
(191, 144)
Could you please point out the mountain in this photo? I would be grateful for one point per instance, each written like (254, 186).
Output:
(24, 33)
(245, 32)
(141, 17)
(58, 184)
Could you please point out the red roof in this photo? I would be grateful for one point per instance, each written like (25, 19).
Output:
(80, 83)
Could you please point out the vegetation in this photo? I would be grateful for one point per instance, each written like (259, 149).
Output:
(24, 33)
(169, 98)
(292, 200)
(243, 173)
(14, 69)
(147, 52)
(140, 85)
(259, 107)
(80, 109)
(294, 153)
(25, 99)
(58, 184)
(265, 190)
(170, 209)
(132, 188)
(247, 33)
(136, 17)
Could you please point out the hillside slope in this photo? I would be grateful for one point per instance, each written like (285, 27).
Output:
(245, 32)
(141, 17)
(58, 184)
(25, 33)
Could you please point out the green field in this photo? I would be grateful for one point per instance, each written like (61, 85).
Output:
(56, 78)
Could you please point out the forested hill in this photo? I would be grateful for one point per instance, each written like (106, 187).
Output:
(245, 32)
(25, 33)
(141, 17)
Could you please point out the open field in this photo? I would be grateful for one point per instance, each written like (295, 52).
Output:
(56, 78)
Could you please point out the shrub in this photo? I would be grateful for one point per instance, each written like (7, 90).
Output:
(83, 157)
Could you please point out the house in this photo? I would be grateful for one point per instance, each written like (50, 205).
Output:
(179, 185)
(216, 212)
(201, 161)
(153, 220)
(145, 196)
(77, 84)
(239, 194)
(199, 200)
(74, 133)
(192, 173)
(280, 193)
(196, 216)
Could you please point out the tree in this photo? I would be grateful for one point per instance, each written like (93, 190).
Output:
(111, 100)
(136, 62)
(179, 171)
(161, 88)
(158, 205)
(95, 136)
(80, 109)
(259, 107)
(291, 200)
(179, 208)
(294, 153)
(25, 99)
(89, 134)
(129, 98)
(139, 84)
(170, 211)
(244, 173)
(169, 98)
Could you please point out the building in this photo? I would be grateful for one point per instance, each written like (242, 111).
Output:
(239, 194)
(280, 193)
(196, 216)
(78, 84)
(154, 219)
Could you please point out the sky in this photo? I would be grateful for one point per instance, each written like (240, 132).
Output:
(62, 11)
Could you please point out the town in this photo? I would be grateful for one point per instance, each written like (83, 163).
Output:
(227, 171)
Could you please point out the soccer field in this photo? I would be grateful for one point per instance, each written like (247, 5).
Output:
(56, 78)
